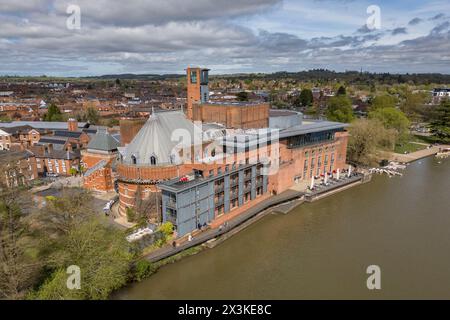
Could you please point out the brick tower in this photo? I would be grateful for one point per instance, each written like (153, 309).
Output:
(197, 89)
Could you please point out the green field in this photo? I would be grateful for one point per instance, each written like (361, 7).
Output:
(408, 147)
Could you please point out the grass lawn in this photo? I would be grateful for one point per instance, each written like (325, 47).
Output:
(408, 147)
(423, 139)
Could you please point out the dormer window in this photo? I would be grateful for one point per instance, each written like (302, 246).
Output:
(153, 160)
(133, 159)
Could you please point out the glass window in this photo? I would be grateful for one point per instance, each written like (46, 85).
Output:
(193, 76)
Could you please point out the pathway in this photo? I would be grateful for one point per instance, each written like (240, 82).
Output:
(209, 234)
(409, 157)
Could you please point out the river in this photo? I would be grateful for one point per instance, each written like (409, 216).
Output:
(321, 250)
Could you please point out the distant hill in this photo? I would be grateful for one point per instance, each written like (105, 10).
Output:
(315, 75)
(132, 76)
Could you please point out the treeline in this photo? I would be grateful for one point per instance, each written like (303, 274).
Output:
(314, 75)
(349, 77)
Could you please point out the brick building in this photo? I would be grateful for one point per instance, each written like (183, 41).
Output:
(99, 159)
(18, 136)
(242, 115)
(17, 168)
(211, 174)
(58, 162)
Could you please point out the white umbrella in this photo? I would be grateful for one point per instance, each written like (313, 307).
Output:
(312, 183)
(349, 170)
(337, 174)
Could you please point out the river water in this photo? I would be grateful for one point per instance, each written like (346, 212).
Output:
(321, 250)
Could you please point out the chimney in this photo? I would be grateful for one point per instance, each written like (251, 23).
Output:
(72, 124)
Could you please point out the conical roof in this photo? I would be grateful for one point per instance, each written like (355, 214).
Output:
(160, 137)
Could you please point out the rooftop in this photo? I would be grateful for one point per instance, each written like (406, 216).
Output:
(234, 103)
(42, 124)
(310, 127)
(103, 141)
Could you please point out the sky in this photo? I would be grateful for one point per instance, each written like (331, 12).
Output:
(40, 37)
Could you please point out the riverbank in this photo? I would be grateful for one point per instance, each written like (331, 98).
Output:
(285, 202)
(321, 250)
(413, 156)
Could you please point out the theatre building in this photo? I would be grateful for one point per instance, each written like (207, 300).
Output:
(241, 154)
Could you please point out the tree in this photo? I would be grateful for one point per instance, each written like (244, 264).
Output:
(340, 109)
(19, 266)
(383, 101)
(112, 122)
(413, 104)
(341, 91)
(101, 252)
(62, 214)
(92, 115)
(392, 118)
(440, 123)
(53, 113)
(306, 97)
(366, 136)
(242, 96)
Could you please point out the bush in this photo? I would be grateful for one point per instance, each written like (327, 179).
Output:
(143, 269)
(166, 228)
(131, 215)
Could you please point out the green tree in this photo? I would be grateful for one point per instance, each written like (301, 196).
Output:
(101, 252)
(242, 96)
(92, 115)
(440, 123)
(413, 104)
(341, 91)
(383, 101)
(340, 109)
(392, 118)
(366, 137)
(19, 264)
(306, 97)
(53, 113)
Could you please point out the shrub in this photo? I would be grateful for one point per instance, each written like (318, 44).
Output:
(131, 215)
(143, 269)
(166, 228)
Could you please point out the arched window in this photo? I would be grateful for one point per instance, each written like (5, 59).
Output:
(153, 160)
(213, 153)
(133, 159)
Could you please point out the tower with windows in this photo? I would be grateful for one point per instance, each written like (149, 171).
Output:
(197, 89)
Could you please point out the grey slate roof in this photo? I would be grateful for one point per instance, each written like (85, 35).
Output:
(103, 141)
(159, 136)
(99, 165)
(41, 124)
(310, 127)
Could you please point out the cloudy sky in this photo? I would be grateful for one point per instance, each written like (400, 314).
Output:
(228, 36)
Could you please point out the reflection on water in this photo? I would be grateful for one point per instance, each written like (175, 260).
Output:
(321, 250)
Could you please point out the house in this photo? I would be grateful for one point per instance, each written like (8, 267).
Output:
(55, 161)
(18, 136)
(17, 168)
